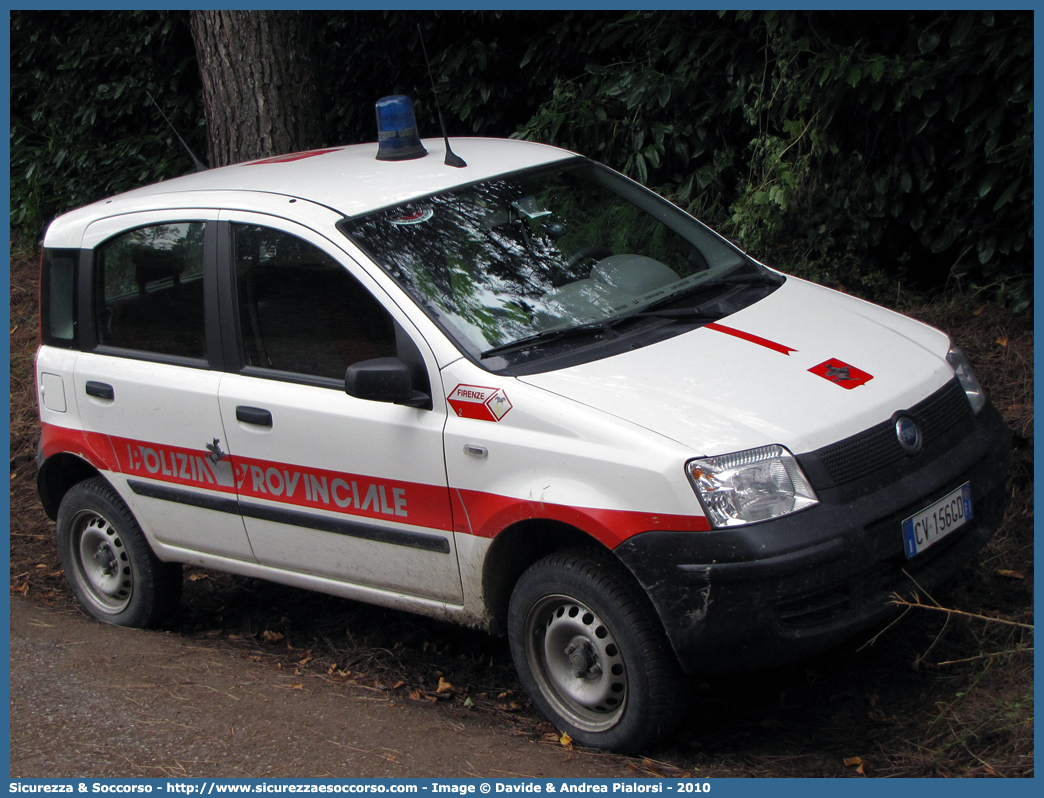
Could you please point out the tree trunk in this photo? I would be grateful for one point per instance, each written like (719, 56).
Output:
(259, 84)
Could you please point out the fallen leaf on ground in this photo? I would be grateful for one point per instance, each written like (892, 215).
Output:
(647, 764)
(444, 686)
(1010, 574)
(272, 637)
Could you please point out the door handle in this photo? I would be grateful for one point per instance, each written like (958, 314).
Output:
(254, 415)
(100, 390)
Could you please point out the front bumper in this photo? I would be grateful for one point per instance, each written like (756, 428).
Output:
(777, 591)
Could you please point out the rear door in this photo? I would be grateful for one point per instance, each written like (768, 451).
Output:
(149, 373)
(330, 485)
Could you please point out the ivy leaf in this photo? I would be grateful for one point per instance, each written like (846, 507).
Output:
(664, 94)
(986, 248)
(932, 106)
(987, 180)
(1009, 192)
(640, 169)
(961, 30)
(945, 239)
(927, 42)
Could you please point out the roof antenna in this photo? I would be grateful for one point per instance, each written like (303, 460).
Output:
(200, 166)
(452, 159)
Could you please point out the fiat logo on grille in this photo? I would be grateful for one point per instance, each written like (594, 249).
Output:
(909, 434)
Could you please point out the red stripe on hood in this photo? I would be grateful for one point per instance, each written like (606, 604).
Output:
(754, 339)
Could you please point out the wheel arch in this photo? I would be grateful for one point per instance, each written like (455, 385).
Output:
(514, 550)
(57, 475)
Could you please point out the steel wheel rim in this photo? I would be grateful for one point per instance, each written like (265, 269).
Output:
(102, 562)
(576, 662)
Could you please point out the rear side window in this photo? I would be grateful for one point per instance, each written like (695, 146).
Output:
(300, 311)
(150, 290)
(58, 297)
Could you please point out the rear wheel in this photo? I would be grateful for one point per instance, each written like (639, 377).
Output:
(108, 562)
(591, 653)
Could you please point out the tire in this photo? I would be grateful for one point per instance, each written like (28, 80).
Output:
(108, 562)
(591, 653)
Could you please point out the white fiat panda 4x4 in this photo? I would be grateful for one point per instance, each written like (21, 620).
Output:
(526, 395)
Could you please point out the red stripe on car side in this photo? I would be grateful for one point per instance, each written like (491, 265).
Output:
(430, 506)
(489, 514)
(413, 503)
(94, 447)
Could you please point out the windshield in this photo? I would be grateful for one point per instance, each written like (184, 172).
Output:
(531, 256)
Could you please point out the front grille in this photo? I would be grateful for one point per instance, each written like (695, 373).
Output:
(877, 447)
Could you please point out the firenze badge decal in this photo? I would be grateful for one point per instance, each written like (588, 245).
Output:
(841, 373)
(483, 404)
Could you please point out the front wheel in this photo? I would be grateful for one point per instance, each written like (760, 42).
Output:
(591, 653)
(108, 562)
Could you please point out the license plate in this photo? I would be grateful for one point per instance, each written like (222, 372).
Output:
(936, 521)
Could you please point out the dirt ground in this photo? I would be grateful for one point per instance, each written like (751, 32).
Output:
(89, 700)
(258, 679)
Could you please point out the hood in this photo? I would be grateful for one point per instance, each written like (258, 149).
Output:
(804, 367)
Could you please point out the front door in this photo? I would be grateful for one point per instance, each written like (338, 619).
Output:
(331, 485)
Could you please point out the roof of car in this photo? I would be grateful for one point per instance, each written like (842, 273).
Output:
(349, 179)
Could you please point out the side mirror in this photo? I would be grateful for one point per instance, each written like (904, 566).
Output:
(384, 379)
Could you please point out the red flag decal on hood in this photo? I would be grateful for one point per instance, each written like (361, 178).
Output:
(841, 373)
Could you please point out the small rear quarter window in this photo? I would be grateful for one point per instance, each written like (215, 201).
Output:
(58, 323)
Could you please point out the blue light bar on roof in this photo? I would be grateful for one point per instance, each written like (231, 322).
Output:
(397, 138)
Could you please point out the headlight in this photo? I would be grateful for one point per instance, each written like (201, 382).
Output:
(749, 486)
(962, 368)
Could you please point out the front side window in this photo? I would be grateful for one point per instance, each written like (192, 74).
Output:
(150, 290)
(300, 311)
(537, 262)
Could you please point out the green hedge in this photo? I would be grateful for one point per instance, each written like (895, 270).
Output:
(860, 148)
(82, 125)
(856, 148)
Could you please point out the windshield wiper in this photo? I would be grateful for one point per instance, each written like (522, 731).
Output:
(697, 314)
(546, 336)
(736, 278)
